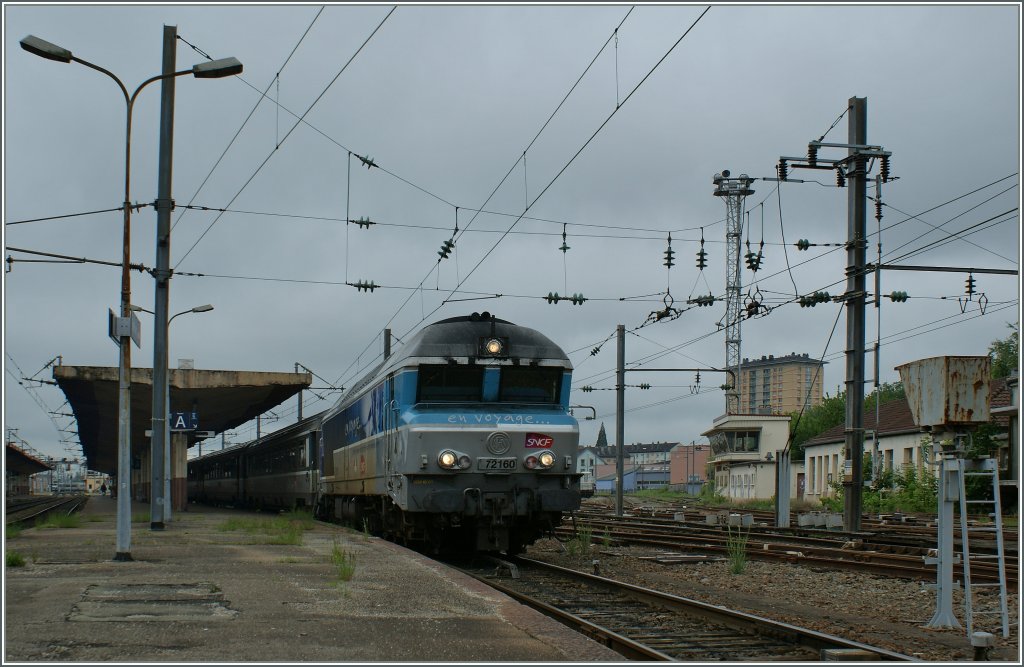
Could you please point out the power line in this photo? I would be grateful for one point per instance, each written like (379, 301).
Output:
(289, 133)
(584, 146)
(436, 266)
(263, 95)
(74, 215)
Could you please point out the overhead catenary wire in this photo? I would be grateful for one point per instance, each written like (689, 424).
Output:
(289, 133)
(586, 143)
(979, 247)
(73, 215)
(245, 122)
(502, 181)
(322, 218)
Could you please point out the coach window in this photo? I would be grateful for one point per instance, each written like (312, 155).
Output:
(530, 384)
(450, 383)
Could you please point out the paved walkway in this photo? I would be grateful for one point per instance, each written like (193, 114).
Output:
(196, 592)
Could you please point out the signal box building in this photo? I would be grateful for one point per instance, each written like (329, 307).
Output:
(743, 455)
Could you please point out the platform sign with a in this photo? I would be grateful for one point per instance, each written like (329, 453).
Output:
(184, 421)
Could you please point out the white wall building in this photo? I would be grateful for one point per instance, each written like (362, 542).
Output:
(743, 455)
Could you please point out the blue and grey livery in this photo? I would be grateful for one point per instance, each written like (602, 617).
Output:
(463, 439)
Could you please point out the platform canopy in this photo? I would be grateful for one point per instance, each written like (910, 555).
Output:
(21, 462)
(223, 400)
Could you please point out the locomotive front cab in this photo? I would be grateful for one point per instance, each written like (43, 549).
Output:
(491, 444)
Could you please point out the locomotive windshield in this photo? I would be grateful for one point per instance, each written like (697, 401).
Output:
(464, 383)
(450, 383)
(530, 384)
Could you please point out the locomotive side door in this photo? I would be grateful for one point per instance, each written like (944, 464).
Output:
(392, 445)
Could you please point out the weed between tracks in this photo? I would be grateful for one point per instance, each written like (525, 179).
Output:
(736, 545)
(13, 530)
(14, 559)
(580, 544)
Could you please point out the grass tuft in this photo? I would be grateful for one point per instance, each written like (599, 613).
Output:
(285, 529)
(13, 530)
(344, 562)
(736, 545)
(580, 544)
(61, 521)
(14, 559)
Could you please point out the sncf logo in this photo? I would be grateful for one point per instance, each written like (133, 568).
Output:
(539, 441)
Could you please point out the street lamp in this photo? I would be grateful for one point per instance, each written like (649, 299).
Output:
(214, 69)
(165, 446)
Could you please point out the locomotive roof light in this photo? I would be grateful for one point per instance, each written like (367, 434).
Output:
(493, 346)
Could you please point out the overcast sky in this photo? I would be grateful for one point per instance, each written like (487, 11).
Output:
(450, 103)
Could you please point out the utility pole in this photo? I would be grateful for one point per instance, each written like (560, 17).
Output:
(856, 286)
(854, 166)
(734, 191)
(300, 395)
(160, 443)
(620, 406)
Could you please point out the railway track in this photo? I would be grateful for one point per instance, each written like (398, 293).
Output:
(644, 624)
(864, 552)
(894, 530)
(28, 511)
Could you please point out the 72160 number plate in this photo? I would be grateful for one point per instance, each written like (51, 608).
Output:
(496, 465)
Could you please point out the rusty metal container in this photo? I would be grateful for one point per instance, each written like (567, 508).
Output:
(947, 392)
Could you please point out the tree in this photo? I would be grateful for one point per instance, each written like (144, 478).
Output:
(830, 412)
(887, 391)
(1004, 354)
(602, 438)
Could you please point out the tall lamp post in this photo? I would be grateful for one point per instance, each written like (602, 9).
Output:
(164, 391)
(209, 70)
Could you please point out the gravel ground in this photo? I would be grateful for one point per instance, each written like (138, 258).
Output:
(881, 611)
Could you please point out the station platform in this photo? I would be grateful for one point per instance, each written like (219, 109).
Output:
(198, 591)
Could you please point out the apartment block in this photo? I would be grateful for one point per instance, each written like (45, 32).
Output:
(780, 385)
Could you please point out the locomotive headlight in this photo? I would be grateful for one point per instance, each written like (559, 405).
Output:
(447, 459)
(542, 461)
(451, 460)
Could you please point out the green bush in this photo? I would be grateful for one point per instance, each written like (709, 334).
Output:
(902, 490)
(14, 559)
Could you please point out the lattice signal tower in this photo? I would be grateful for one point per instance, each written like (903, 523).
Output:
(734, 192)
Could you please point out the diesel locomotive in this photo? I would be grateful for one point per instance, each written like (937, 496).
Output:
(460, 441)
